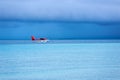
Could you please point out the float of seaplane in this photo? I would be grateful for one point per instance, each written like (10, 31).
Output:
(42, 40)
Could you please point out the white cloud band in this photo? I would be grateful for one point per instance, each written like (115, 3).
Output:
(60, 10)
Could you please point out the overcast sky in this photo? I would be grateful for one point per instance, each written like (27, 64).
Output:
(60, 10)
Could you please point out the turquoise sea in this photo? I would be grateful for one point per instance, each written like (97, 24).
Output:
(76, 51)
(60, 60)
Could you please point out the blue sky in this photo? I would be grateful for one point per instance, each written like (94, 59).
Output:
(58, 30)
(60, 19)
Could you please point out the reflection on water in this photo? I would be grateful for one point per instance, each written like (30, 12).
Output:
(57, 41)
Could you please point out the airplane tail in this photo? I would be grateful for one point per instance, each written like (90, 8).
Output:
(33, 38)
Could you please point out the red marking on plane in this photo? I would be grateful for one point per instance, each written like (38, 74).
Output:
(40, 39)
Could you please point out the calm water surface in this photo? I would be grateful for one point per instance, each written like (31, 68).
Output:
(81, 61)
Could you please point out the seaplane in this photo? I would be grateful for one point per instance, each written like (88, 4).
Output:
(43, 40)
